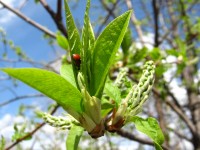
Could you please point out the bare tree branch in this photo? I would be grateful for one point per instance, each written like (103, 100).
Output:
(180, 134)
(135, 22)
(110, 13)
(156, 26)
(57, 17)
(25, 18)
(20, 98)
(182, 116)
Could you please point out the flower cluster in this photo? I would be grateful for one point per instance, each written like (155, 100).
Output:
(91, 119)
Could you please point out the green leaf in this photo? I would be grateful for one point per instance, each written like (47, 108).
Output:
(62, 41)
(67, 73)
(50, 84)
(2, 143)
(127, 41)
(155, 54)
(20, 132)
(105, 50)
(172, 52)
(151, 128)
(113, 92)
(139, 55)
(73, 138)
(88, 40)
(106, 107)
(74, 38)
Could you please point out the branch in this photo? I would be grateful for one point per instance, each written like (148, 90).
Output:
(156, 27)
(180, 134)
(135, 22)
(22, 4)
(19, 98)
(179, 112)
(30, 133)
(59, 10)
(110, 12)
(57, 17)
(28, 20)
(173, 97)
(135, 138)
(147, 13)
(182, 115)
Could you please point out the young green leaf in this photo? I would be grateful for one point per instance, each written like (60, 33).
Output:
(73, 138)
(106, 107)
(126, 43)
(151, 128)
(50, 84)
(73, 39)
(67, 73)
(88, 40)
(113, 92)
(62, 41)
(105, 50)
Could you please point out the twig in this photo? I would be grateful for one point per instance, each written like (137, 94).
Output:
(57, 17)
(30, 133)
(25, 18)
(156, 27)
(19, 98)
(180, 135)
(147, 13)
(182, 115)
(135, 22)
(135, 138)
(172, 96)
(110, 13)
(22, 4)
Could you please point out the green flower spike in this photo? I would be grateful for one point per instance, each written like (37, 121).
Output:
(132, 104)
(142, 91)
(62, 123)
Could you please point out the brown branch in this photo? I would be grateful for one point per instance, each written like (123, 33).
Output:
(182, 115)
(110, 13)
(173, 97)
(135, 22)
(22, 4)
(19, 98)
(28, 20)
(135, 138)
(59, 10)
(172, 17)
(147, 13)
(30, 133)
(180, 134)
(156, 27)
(57, 17)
